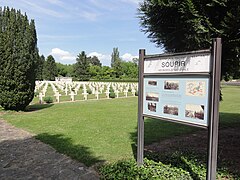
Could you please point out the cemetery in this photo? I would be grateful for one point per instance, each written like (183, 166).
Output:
(170, 115)
(63, 91)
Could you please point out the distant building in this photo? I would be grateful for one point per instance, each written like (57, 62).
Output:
(63, 79)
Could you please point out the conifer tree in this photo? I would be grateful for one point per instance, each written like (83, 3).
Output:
(81, 67)
(116, 63)
(50, 69)
(41, 61)
(18, 59)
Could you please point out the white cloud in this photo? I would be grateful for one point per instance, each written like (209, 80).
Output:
(62, 56)
(128, 57)
(105, 59)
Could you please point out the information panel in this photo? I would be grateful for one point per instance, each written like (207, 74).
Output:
(176, 87)
(182, 99)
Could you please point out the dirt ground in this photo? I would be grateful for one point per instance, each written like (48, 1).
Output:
(228, 147)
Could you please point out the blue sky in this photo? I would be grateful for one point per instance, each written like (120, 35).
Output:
(67, 27)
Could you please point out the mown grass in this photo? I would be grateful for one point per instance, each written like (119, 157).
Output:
(106, 130)
(230, 107)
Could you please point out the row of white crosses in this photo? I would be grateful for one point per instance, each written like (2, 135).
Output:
(43, 92)
(38, 85)
(56, 93)
(97, 88)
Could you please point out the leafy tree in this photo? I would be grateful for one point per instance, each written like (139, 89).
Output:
(94, 61)
(64, 70)
(106, 73)
(94, 71)
(190, 25)
(50, 69)
(116, 62)
(115, 56)
(129, 70)
(18, 59)
(81, 67)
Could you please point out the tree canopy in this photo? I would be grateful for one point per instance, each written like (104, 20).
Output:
(116, 63)
(81, 67)
(190, 25)
(50, 69)
(86, 68)
(18, 59)
(41, 61)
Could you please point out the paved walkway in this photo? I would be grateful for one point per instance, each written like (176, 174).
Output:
(24, 157)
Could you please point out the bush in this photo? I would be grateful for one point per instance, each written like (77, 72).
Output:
(176, 165)
(188, 161)
(48, 100)
(112, 95)
(89, 91)
(150, 170)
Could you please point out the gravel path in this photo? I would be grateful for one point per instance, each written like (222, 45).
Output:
(24, 157)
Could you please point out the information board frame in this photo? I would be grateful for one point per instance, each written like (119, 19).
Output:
(156, 72)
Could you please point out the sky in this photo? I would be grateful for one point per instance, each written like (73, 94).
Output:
(67, 27)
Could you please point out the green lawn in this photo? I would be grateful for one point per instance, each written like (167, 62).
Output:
(230, 107)
(92, 131)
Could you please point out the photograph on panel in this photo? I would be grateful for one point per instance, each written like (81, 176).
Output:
(152, 83)
(170, 109)
(152, 97)
(194, 111)
(152, 107)
(171, 85)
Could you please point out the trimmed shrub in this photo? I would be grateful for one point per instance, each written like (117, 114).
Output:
(48, 100)
(112, 95)
(89, 91)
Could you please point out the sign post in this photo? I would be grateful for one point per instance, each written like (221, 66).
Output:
(182, 88)
(213, 126)
(140, 145)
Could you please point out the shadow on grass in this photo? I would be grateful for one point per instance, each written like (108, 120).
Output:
(64, 145)
(178, 144)
(37, 107)
(156, 130)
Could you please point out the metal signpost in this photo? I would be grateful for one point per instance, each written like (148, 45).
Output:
(182, 88)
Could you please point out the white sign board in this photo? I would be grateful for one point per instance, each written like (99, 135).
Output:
(181, 99)
(190, 63)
